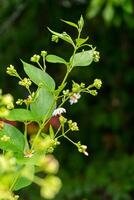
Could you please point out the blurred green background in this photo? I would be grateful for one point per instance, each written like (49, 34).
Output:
(106, 121)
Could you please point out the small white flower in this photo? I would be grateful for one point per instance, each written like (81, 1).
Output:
(74, 98)
(59, 111)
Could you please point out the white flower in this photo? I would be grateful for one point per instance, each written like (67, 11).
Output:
(59, 111)
(74, 98)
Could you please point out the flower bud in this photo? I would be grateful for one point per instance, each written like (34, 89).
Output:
(11, 71)
(26, 82)
(76, 87)
(43, 53)
(19, 101)
(35, 58)
(55, 38)
(62, 120)
(93, 92)
(97, 83)
(96, 56)
(73, 126)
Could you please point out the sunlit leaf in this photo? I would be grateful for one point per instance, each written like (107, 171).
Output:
(83, 58)
(16, 140)
(70, 23)
(43, 104)
(55, 59)
(38, 76)
(20, 114)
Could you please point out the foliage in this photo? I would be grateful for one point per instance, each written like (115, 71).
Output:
(107, 120)
(101, 179)
(114, 11)
(28, 154)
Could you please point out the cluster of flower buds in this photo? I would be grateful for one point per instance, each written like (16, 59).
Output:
(55, 38)
(27, 101)
(11, 71)
(73, 126)
(53, 144)
(82, 148)
(35, 58)
(93, 92)
(96, 56)
(26, 82)
(6, 103)
(97, 83)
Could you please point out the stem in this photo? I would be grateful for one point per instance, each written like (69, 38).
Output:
(40, 65)
(70, 140)
(14, 181)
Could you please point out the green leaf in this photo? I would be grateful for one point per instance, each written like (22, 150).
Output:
(81, 41)
(55, 59)
(70, 23)
(16, 140)
(64, 36)
(81, 23)
(38, 76)
(94, 8)
(83, 58)
(51, 131)
(108, 13)
(21, 115)
(26, 178)
(43, 104)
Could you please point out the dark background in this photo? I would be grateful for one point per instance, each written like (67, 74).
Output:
(106, 121)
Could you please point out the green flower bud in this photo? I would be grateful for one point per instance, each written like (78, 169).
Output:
(65, 92)
(62, 120)
(55, 38)
(26, 82)
(43, 53)
(73, 126)
(75, 87)
(93, 92)
(82, 85)
(35, 58)
(82, 148)
(19, 101)
(96, 56)
(29, 100)
(11, 71)
(97, 83)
